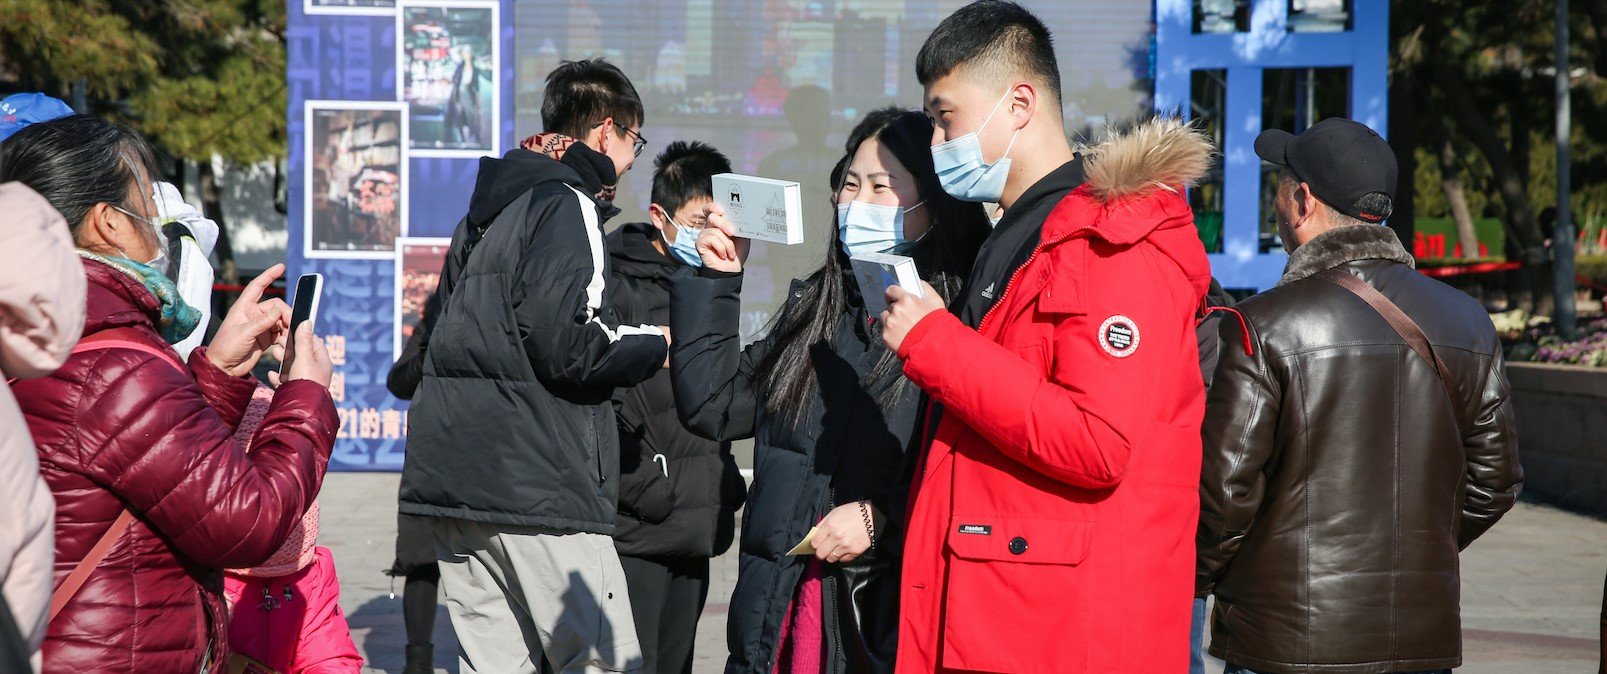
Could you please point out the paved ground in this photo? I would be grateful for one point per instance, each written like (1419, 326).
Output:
(1532, 587)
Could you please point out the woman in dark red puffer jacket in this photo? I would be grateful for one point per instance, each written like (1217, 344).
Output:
(126, 428)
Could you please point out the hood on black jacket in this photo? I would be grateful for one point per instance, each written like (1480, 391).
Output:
(500, 181)
(631, 248)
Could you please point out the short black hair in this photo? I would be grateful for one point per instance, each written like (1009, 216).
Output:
(78, 161)
(995, 35)
(581, 94)
(681, 173)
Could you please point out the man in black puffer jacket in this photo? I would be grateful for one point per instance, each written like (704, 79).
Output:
(511, 445)
(678, 492)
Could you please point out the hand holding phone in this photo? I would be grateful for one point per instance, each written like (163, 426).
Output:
(309, 290)
(312, 363)
(251, 327)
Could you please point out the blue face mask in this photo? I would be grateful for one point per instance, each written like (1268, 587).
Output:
(870, 228)
(962, 171)
(684, 247)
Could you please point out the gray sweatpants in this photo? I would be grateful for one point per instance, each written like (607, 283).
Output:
(518, 595)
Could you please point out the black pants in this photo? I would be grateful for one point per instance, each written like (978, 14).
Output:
(667, 597)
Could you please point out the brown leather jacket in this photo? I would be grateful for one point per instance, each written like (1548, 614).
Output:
(1336, 488)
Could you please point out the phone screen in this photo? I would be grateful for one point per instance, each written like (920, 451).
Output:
(304, 309)
(307, 288)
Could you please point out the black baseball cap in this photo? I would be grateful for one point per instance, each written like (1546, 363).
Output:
(1342, 160)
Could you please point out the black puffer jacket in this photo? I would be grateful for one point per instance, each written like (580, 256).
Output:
(512, 423)
(845, 446)
(678, 492)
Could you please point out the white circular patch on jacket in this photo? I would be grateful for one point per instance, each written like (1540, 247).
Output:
(1118, 336)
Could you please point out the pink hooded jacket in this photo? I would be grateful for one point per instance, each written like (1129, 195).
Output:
(286, 612)
(41, 317)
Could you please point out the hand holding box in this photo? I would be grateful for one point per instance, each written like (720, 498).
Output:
(876, 272)
(761, 208)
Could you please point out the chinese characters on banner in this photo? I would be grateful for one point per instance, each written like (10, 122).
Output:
(392, 103)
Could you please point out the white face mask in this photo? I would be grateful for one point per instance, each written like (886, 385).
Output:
(864, 227)
(160, 262)
(962, 171)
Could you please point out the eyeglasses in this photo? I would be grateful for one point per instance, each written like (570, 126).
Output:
(638, 144)
(142, 218)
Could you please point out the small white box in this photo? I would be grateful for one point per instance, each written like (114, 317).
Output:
(761, 209)
(878, 271)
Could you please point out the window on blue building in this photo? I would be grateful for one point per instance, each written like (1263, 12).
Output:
(1208, 95)
(1221, 16)
(1319, 16)
(1293, 99)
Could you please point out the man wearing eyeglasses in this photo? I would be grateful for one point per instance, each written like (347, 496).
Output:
(513, 453)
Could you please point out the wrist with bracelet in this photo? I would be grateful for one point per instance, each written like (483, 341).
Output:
(870, 522)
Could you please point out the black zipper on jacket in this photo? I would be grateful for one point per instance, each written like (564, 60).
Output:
(597, 448)
(833, 620)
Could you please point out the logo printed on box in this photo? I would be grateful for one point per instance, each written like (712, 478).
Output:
(762, 209)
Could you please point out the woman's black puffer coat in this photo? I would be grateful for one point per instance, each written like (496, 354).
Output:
(844, 446)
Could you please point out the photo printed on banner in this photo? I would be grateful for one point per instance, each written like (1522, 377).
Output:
(352, 7)
(447, 60)
(420, 262)
(356, 191)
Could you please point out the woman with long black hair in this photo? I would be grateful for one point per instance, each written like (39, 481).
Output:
(830, 411)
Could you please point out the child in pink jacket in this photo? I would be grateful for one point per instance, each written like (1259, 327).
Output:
(286, 613)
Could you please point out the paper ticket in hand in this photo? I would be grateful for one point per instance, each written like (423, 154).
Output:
(876, 272)
(760, 208)
(805, 546)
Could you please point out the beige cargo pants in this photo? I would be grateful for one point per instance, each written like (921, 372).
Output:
(521, 595)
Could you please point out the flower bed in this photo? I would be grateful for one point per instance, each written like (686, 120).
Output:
(1536, 340)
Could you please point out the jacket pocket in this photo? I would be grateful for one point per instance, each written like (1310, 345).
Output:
(594, 445)
(1038, 355)
(1016, 596)
(1019, 540)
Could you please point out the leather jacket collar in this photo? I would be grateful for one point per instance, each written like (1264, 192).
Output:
(1345, 244)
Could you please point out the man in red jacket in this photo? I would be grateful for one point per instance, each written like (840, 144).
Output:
(1052, 513)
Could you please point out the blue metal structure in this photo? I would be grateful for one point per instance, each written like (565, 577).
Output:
(1245, 55)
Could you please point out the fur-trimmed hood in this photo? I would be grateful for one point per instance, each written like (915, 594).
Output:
(1134, 195)
(1157, 153)
(1136, 180)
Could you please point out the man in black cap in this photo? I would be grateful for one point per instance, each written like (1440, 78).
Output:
(1358, 435)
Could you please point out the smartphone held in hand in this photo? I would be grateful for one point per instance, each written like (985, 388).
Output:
(304, 309)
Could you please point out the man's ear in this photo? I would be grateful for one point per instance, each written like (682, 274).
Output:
(1023, 105)
(659, 218)
(605, 133)
(1307, 201)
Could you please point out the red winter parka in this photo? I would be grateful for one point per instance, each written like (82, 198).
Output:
(120, 428)
(1053, 517)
